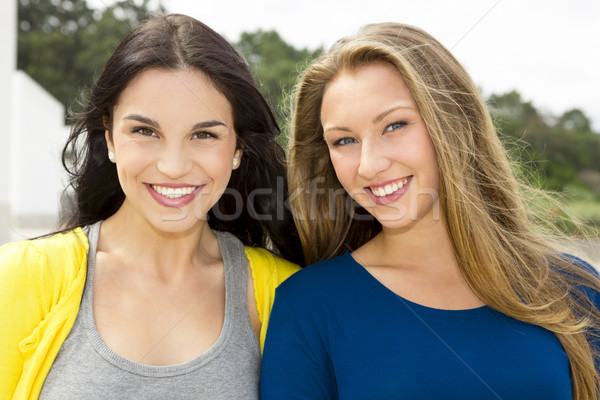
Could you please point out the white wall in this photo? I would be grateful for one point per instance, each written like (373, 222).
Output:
(32, 133)
(36, 174)
(8, 44)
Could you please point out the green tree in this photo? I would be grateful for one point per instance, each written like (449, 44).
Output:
(574, 120)
(48, 37)
(556, 153)
(514, 116)
(63, 44)
(276, 66)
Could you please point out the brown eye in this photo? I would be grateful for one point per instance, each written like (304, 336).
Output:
(203, 135)
(144, 131)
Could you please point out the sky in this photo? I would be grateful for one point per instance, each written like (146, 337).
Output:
(547, 50)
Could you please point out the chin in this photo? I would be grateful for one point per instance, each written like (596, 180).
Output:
(176, 223)
(388, 223)
(410, 219)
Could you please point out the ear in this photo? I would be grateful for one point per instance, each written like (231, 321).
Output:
(237, 158)
(109, 141)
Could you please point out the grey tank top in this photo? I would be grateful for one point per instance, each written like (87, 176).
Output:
(85, 368)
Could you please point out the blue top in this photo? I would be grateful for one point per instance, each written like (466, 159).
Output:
(337, 333)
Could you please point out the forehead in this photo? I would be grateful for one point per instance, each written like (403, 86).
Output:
(182, 92)
(368, 88)
(375, 74)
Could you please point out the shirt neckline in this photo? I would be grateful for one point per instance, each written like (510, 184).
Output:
(418, 309)
(154, 370)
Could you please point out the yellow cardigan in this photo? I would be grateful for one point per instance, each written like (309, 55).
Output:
(41, 284)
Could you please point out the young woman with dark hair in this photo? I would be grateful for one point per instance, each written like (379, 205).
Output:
(159, 285)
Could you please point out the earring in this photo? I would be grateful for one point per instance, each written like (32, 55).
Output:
(235, 162)
(111, 156)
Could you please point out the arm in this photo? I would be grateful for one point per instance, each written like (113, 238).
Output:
(21, 307)
(41, 282)
(267, 272)
(296, 364)
(587, 294)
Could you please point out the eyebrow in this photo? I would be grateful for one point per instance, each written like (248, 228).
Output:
(140, 118)
(208, 124)
(393, 108)
(150, 121)
(377, 118)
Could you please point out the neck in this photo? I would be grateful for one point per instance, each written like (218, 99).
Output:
(418, 263)
(125, 234)
(425, 246)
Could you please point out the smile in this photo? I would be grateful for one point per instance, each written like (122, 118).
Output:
(390, 188)
(172, 192)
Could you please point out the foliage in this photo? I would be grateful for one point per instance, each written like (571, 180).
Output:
(276, 66)
(556, 150)
(63, 44)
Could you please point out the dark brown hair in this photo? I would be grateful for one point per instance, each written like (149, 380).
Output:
(174, 42)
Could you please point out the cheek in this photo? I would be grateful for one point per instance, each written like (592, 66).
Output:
(436, 177)
(134, 155)
(218, 165)
(346, 170)
(131, 165)
(434, 170)
(344, 165)
(423, 158)
(342, 174)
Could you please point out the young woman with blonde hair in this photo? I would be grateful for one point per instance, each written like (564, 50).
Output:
(435, 282)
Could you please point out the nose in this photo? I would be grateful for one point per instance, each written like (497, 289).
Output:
(174, 161)
(373, 157)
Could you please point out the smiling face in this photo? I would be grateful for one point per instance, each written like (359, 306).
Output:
(379, 145)
(174, 147)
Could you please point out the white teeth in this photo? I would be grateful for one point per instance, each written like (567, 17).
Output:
(389, 188)
(173, 193)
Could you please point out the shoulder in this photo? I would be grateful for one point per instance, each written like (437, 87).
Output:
(318, 294)
(50, 259)
(581, 276)
(268, 267)
(267, 272)
(579, 263)
(67, 244)
(574, 268)
(320, 277)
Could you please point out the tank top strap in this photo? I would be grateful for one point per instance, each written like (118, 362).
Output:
(236, 273)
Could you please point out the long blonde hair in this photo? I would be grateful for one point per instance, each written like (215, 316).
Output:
(502, 256)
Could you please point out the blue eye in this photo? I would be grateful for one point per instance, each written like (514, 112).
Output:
(344, 141)
(396, 125)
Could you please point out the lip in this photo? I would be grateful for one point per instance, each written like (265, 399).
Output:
(175, 203)
(390, 198)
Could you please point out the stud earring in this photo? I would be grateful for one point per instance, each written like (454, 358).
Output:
(111, 156)
(235, 162)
